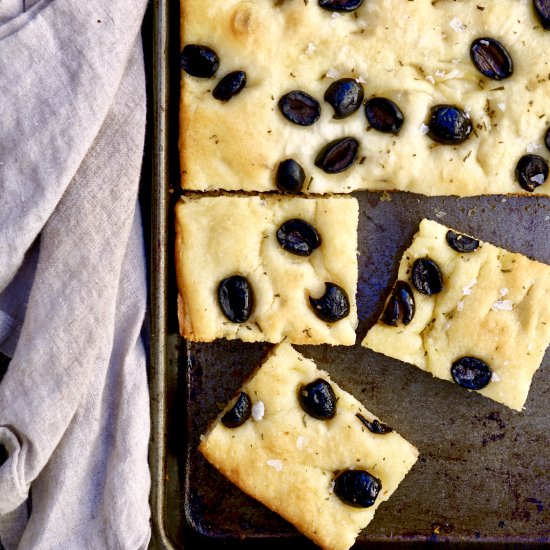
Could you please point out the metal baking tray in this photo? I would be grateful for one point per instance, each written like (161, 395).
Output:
(484, 471)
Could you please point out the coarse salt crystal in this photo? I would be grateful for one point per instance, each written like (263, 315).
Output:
(466, 290)
(530, 346)
(335, 15)
(440, 73)
(502, 305)
(495, 377)
(532, 147)
(440, 214)
(454, 73)
(300, 442)
(275, 463)
(503, 291)
(310, 48)
(258, 411)
(430, 78)
(538, 178)
(331, 490)
(502, 106)
(424, 129)
(460, 305)
(447, 325)
(360, 79)
(457, 25)
(332, 73)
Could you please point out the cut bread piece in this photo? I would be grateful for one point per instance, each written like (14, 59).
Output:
(308, 450)
(272, 268)
(482, 322)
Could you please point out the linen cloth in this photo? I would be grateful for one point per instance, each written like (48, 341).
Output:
(74, 413)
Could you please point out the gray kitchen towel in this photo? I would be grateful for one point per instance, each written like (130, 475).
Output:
(74, 414)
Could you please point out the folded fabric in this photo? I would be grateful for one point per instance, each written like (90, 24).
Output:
(74, 414)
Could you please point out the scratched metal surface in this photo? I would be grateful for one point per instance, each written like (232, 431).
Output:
(484, 470)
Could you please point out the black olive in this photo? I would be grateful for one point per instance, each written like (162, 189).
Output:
(318, 399)
(198, 60)
(300, 108)
(239, 413)
(491, 58)
(375, 426)
(542, 7)
(449, 125)
(384, 115)
(338, 155)
(461, 243)
(345, 96)
(426, 276)
(235, 298)
(471, 373)
(357, 488)
(298, 237)
(400, 306)
(531, 172)
(333, 305)
(547, 139)
(231, 84)
(340, 5)
(3, 454)
(290, 176)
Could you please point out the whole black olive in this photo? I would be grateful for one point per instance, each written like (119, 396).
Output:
(298, 237)
(426, 276)
(357, 488)
(345, 96)
(231, 84)
(318, 399)
(199, 60)
(542, 8)
(471, 373)
(340, 5)
(338, 155)
(239, 413)
(290, 176)
(384, 115)
(300, 108)
(531, 172)
(449, 125)
(461, 243)
(375, 426)
(235, 298)
(333, 305)
(400, 306)
(491, 58)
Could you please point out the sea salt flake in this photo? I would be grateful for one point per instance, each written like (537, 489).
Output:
(466, 290)
(495, 377)
(258, 411)
(360, 79)
(430, 78)
(460, 305)
(310, 48)
(503, 291)
(440, 73)
(331, 490)
(457, 25)
(502, 106)
(532, 147)
(276, 464)
(538, 178)
(454, 73)
(502, 305)
(332, 73)
(440, 214)
(300, 442)
(424, 129)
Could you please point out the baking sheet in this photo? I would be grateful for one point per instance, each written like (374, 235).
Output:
(484, 470)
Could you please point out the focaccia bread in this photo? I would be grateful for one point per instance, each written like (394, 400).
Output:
(305, 467)
(272, 268)
(481, 317)
(418, 54)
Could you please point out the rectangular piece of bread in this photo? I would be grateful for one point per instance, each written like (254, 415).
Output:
(289, 460)
(220, 237)
(493, 306)
(416, 53)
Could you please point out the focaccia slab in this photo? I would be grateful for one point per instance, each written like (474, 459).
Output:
(416, 53)
(226, 236)
(289, 460)
(493, 306)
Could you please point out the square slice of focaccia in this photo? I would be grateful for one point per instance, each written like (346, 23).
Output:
(439, 98)
(272, 268)
(308, 450)
(468, 312)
